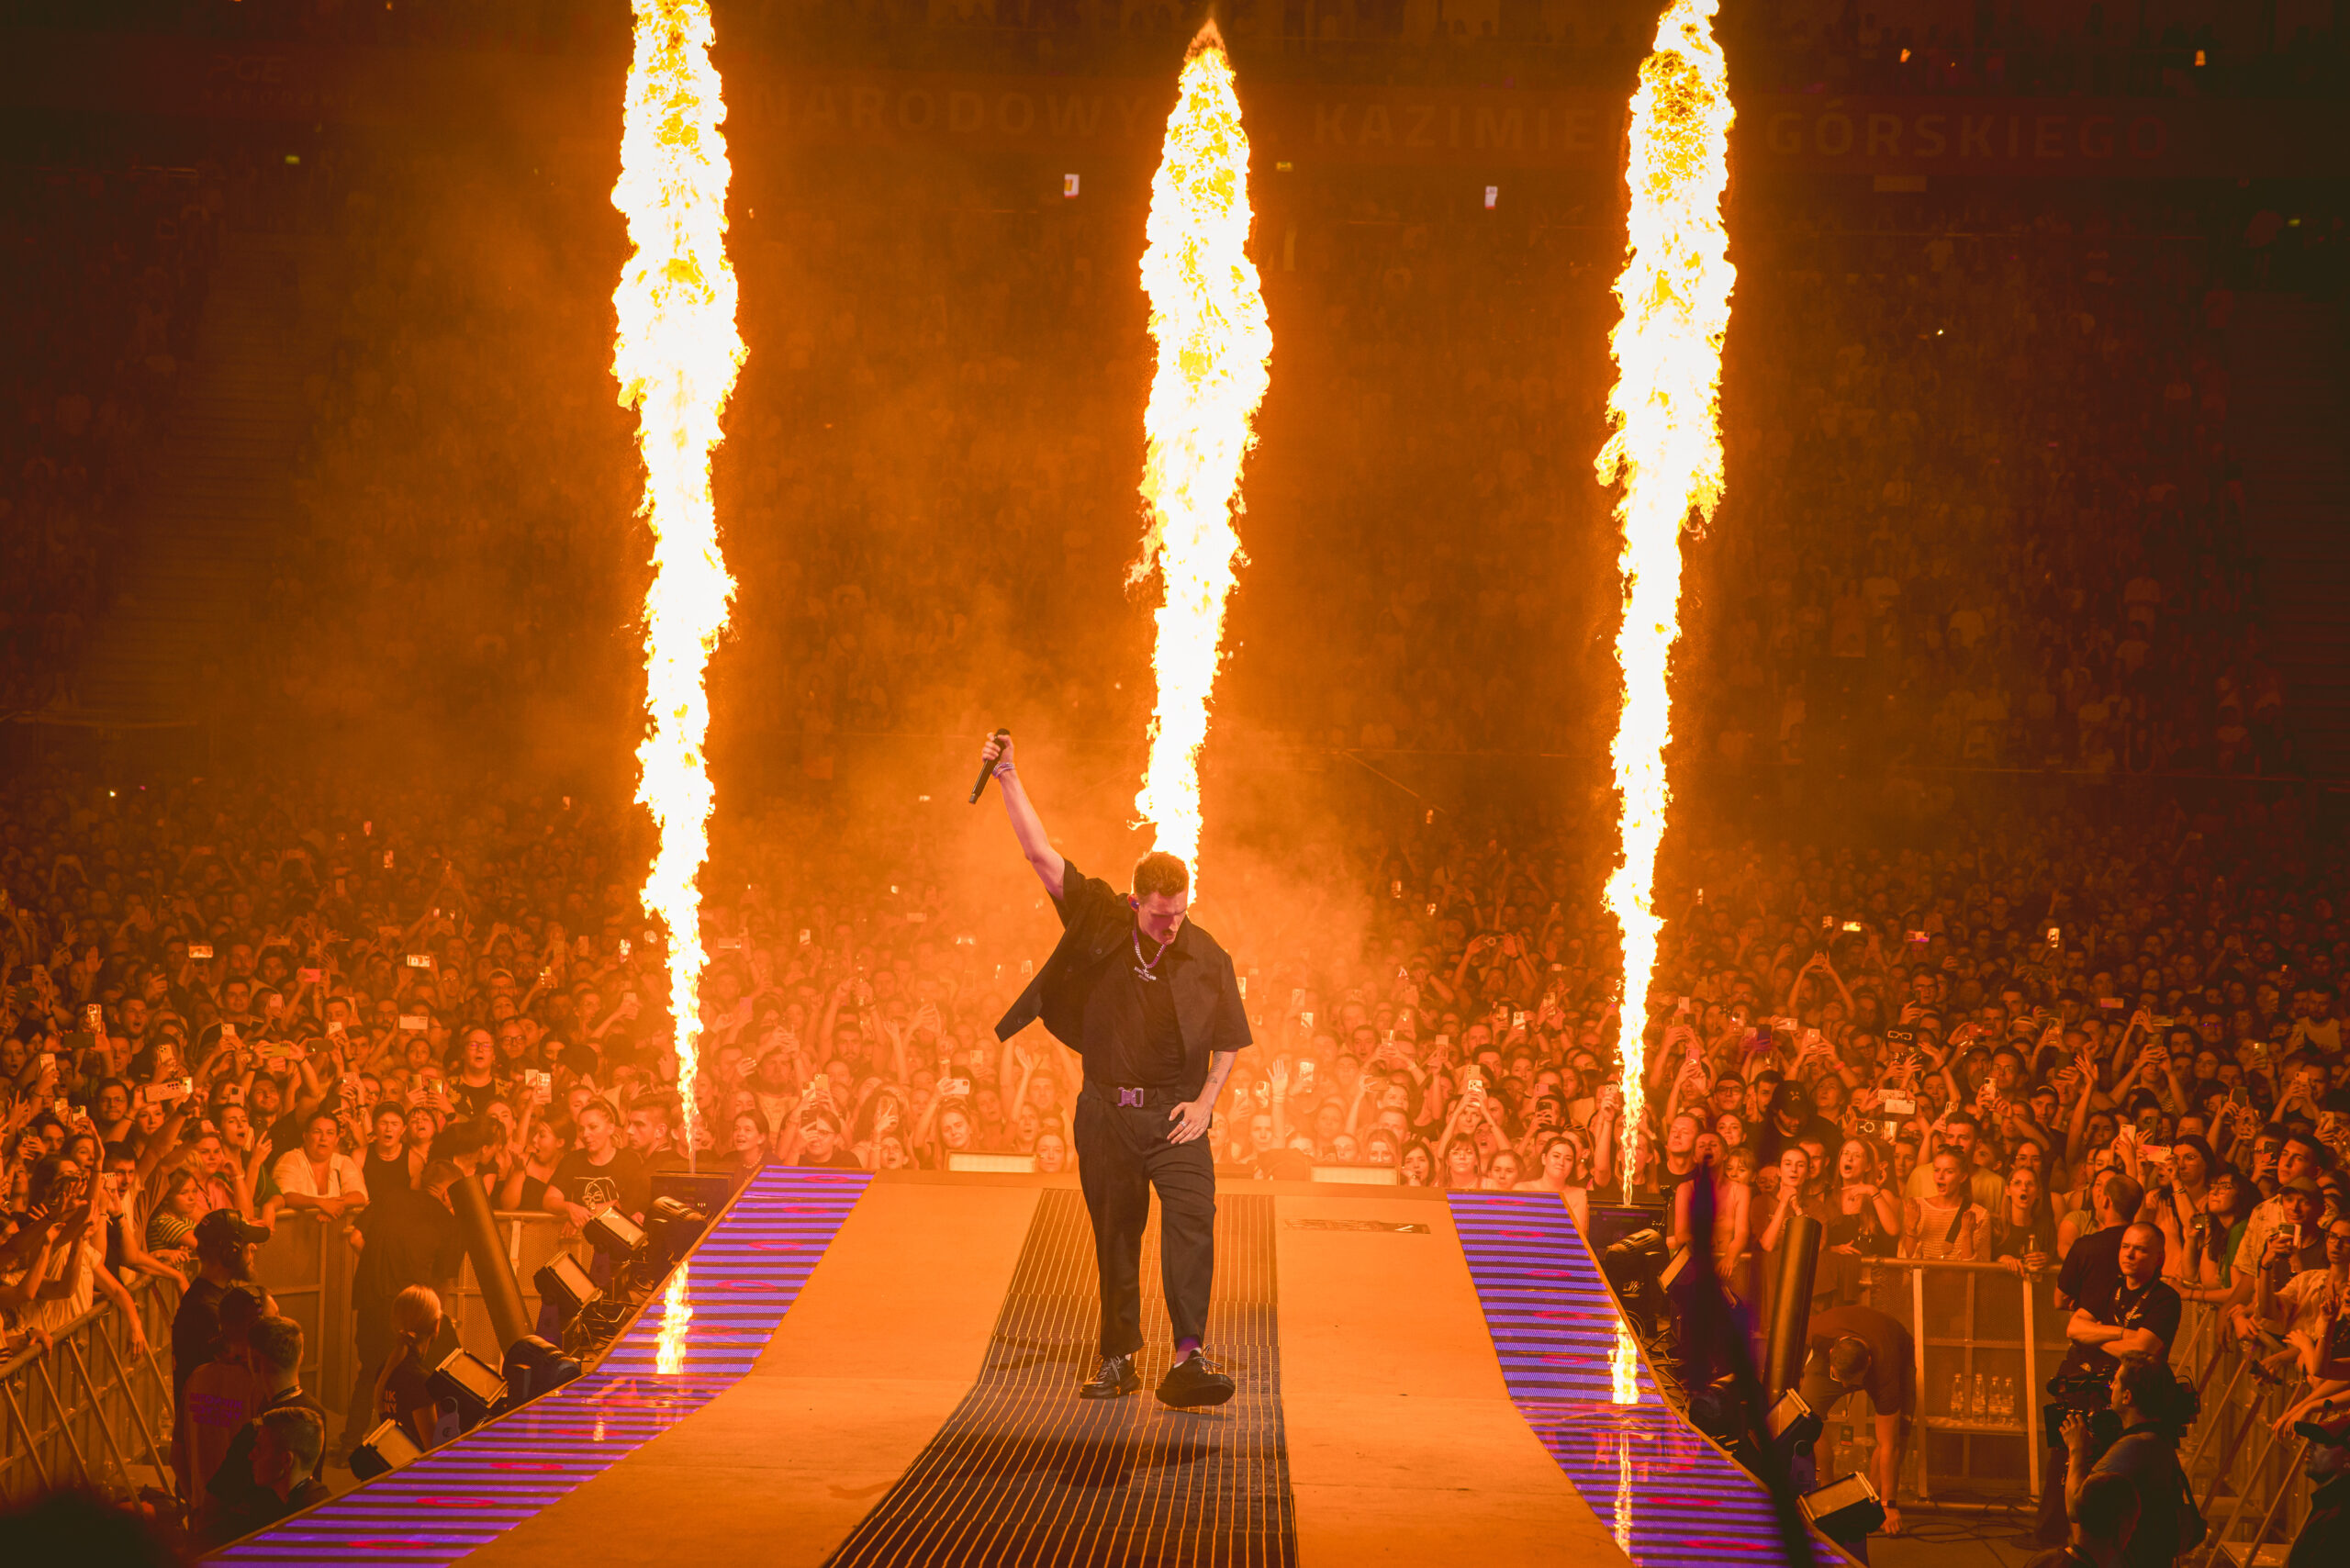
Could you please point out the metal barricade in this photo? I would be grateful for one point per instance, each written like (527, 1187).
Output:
(1984, 1325)
(1985, 1338)
(2247, 1473)
(91, 1411)
(305, 1266)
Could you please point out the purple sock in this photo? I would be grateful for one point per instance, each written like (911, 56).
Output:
(1184, 1348)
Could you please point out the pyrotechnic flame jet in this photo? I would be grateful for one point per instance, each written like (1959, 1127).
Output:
(675, 354)
(1665, 451)
(1207, 313)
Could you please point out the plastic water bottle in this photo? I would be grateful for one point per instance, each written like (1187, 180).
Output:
(1976, 1407)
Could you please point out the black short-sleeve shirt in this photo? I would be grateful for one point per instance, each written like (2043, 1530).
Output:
(193, 1328)
(2093, 1268)
(1092, 1001)
(408, 1391)
(1891, 1381)
(1132, 1034)
(2154, 1306)
(622, 1182)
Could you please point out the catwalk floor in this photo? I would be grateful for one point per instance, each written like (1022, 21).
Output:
(878, 1370)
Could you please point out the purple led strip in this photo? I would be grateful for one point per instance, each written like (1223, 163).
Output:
(739, 1281)
(1670, 1498)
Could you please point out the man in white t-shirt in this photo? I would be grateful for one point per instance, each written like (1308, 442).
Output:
(319, 1175)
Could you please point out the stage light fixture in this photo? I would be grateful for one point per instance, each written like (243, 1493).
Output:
(1718, 1411)
(535, 1367)
(386, 1447)
(1846, 1509)
(566, 1284)
(1792, 1424)
(708, 1190)
(671, 1230)
(613, 1234)
(470, 1384)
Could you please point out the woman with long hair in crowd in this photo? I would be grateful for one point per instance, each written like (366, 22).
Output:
(746, 1146)
(1947, 1222)
(1562, 1172)
(2023, 1233)
(172, 1227)
(2176, 1198)
(1461, 1173)
(2207, 1270)
(1863, 1217)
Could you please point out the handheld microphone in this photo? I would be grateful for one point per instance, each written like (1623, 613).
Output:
(987, 769)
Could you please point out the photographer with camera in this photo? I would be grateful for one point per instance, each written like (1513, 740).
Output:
(2135, 1316)
(2141, 1397)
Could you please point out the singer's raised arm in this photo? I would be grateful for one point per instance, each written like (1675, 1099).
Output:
(1027, 826)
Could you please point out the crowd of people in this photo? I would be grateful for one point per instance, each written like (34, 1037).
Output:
(1986, 514)
(104, 268)
(1992, 519)
(254, 1003)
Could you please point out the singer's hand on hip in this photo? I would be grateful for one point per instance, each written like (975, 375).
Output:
(1193, 1116)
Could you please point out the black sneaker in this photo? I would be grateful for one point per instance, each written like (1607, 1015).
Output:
(1194, 1381)
(1114, 1379)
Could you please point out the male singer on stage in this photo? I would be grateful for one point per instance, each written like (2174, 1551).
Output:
(1151, 1003)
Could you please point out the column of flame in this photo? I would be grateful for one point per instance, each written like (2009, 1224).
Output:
(1207, 313)
(1665, 450)
(676, 1315)
(676, 355)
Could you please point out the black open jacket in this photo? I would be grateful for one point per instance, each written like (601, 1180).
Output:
(1096, 920)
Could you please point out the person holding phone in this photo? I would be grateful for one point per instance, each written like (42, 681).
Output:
(1152, 1004)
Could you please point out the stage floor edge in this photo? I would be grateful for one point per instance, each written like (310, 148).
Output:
(1445, 1382)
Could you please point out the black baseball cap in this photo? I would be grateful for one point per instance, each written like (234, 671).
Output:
(2324, 1437)
(226, 1227)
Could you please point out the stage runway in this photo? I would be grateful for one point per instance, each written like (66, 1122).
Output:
(880, 1370)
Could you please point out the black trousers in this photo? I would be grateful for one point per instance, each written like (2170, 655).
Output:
(1122, 1154)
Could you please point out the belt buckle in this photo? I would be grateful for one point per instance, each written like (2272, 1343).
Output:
(1130, 1097)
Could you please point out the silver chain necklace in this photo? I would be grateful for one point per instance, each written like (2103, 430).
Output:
(1145, 967)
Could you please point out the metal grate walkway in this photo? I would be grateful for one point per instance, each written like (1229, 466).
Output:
(1024, 1471)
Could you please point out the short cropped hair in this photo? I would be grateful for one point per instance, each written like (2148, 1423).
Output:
(1160, 872)
(2149, 1384)
(1848, 1358)
(299, 1432)
(276, 1343)
(2125, 1194)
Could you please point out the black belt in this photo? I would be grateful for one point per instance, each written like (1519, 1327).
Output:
(1131, 1096)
